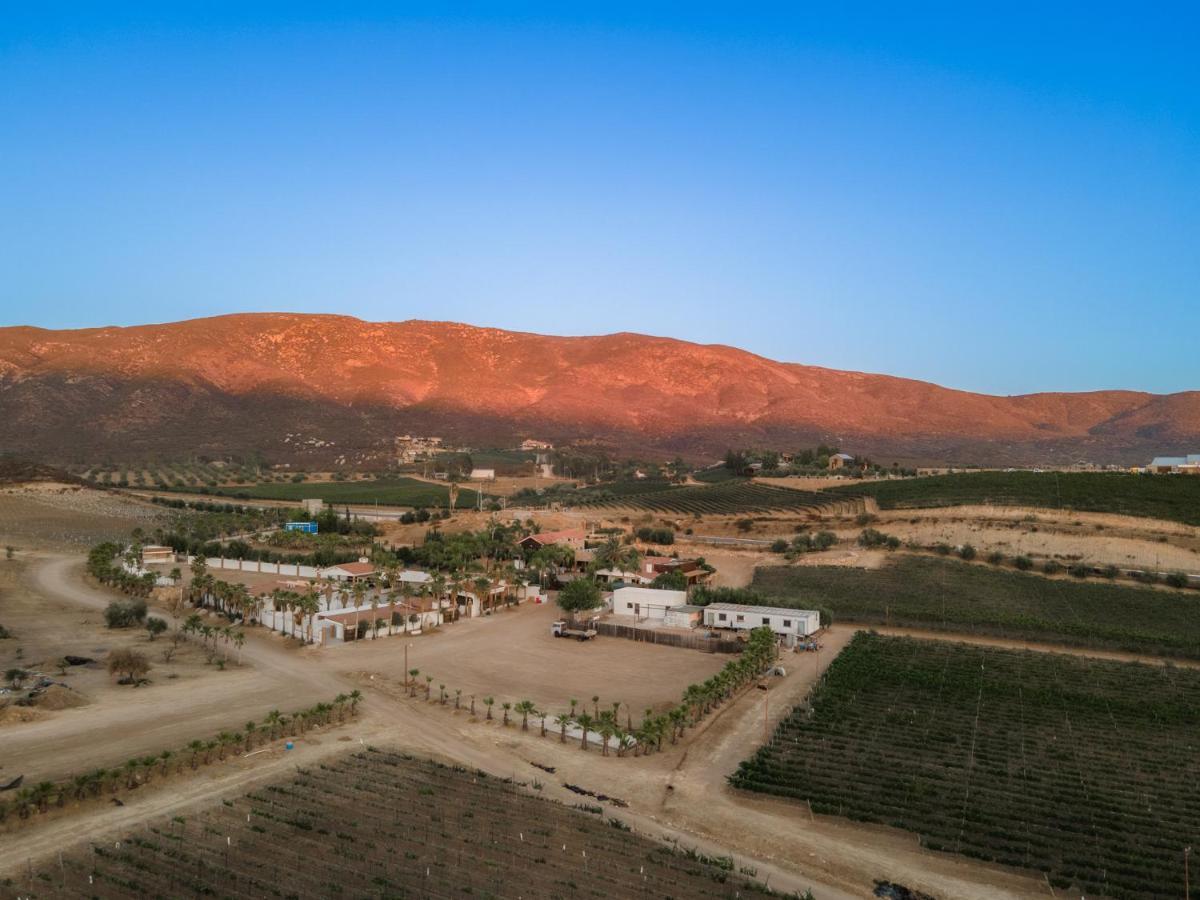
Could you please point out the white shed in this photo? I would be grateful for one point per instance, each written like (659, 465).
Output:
(646, 603)
(790, 624)
(683, 616)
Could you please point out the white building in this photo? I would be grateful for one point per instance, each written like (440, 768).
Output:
(1177, 465)
(483, 474)
(789, 624)
(646, 603)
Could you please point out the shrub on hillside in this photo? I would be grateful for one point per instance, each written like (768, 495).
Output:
(125, 613)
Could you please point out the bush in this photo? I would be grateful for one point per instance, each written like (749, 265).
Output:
(780, 546)
(1024, 563)
(966, 551)
(125, 613)
(943, 549)
(996, 558)
(1110, 572)
(1079, 570)
(656, 535)
(1178, 580)
(128, 663)
(1051, 567)
(870, 537)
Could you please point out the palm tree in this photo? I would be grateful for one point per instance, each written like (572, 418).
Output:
(585, 722)
(541, 714)
(483, 589)
(488, 701)
(413, 673)
(374, 603)
(525, 707)
(428, 687)
(355, 696)
(606, 730)
(562, 721)
(596, 705)
(457, 698)
(506, 707)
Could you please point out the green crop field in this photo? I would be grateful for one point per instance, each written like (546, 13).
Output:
(379, 824)
(947, 595)
(384, 491)
(725, 497)
(1172, 497)
(1085, 770)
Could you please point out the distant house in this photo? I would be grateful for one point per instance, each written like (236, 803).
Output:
(652, 566)
(531, 444)
(483, 474)
(840, 460)
(788, 624)
(152, 554)
(572, 538)
(354, 571)
(1175, 465)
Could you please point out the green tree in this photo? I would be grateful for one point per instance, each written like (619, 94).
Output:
(580, 595)
(155, 626)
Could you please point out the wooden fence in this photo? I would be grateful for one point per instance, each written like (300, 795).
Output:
(670, 639)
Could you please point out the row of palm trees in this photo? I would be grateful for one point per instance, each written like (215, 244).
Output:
(653, 729)
(141, 770)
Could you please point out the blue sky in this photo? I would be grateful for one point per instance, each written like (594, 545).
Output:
(1005, 199)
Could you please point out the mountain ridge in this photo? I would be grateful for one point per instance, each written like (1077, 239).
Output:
(243, 381)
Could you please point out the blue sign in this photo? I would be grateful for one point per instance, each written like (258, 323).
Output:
(306, 527)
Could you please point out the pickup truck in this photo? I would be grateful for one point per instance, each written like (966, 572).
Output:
(582, 632)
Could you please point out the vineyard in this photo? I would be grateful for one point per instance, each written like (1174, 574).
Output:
(1174, 498)
(725, 497)
(1084, 770)
(385, 491)
(380, 824)
(947, 595)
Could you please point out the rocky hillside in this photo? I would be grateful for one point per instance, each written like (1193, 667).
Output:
(299, 386)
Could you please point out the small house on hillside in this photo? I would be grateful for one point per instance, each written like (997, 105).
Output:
(153, 554)
(840, 460)
(572, 538)
(354, 571)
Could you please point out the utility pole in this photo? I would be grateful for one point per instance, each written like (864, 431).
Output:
(1187, 888)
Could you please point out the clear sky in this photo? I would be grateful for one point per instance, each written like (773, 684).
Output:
(1001, 197)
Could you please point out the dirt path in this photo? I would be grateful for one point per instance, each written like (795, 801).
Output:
(120, 724)
(1037, 646)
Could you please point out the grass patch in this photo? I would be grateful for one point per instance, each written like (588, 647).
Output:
(1085, 770)
(1174, 498)
(948, 595)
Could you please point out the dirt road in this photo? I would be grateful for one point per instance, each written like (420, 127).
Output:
(117, 725)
